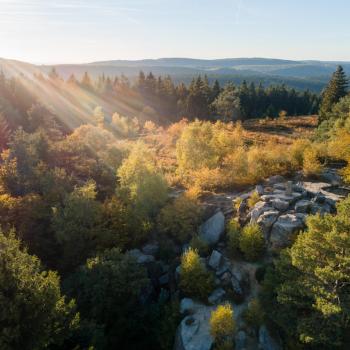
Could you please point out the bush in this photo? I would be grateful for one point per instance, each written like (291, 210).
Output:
(251, 242)
(195, 280)
(200, 245)
(297, 150)
(222, 323)
(181, 218)
(311, 164)
(233, 236)
(253, 199)
(254, 314)
(260, 274)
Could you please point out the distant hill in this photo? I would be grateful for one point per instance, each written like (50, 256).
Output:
(301, 75)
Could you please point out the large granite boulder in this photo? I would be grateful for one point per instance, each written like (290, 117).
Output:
(258, 209)
(284, 228)
(266, 220)
(266, 342)
(187, 306)
(212, 230)
(216, 296)
(280, 204)
(193, 332)
(303, 206)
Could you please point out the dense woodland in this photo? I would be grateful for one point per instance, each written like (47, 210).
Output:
(74, 201)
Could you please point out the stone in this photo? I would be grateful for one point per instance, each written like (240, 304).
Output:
(193, 332)
(225, 266)
(289, 188)
(186, 306)
(331, 176)
(150, 248)
(140, 257)
(164, 279)
(240, 340)
(216, 296)
(321, 208)
(259, 189)
(238, 293)
(280, 204)
(266, 342)
(266, 220)
(258, 209)
(215, 259)
(302, 206)
(212, 230)
(225, 279)
(283, 230)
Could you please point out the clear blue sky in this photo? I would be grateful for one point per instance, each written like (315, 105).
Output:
(65, 31)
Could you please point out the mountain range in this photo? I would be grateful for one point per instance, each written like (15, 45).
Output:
(308, 74)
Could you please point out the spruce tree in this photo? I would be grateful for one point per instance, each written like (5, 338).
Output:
(335, 90)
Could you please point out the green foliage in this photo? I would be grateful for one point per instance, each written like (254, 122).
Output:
(254, 315)
(222, 323)
(33, 312)
(233, 236)
(107, 290)
(199, 245)
(180, 219)
(308, 290)
(195, 280)
(227, 104)
(253, 199)
(251, 242)
(141, 183)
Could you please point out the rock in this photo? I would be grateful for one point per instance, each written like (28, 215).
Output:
(266, 342)
(216, 297)
(275, 179)
(240, 340)
(266, 220)
(150, 248)
(140, 257)
(226, 279)
(177, 273)
(164, 279)
(258, 209)
(303, 206)
(238, 293)
(186, 306)
(321, 208)
(193, 332)
(331, 176)
(283, 229)
(225, 266)
(259, 189)
(280, 204)
(289, 188)
(212, 230)
(315, 187)
(242, 208)
(215, 259)
(185, 247)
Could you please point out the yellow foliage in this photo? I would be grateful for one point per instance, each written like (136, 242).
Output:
(222, 323)
(311, 164)
(297, 150)
(253, 199)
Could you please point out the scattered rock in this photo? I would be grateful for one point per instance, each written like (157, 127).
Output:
(266, 342)
(212, 230)
(259, 189)
(331, 176)
(289, 188)
(266, 220)
(225, 279)
(275, 179)
(216, 297)
(215, 259)
(238, 293)
(280, 204)
(258, 209)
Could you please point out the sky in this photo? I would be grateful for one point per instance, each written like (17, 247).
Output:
(77, 31)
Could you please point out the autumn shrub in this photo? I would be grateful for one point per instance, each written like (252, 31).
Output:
(297, 150)
(195, 280)
(233, 236)
(254, 314)
(222, 323)
(180, 219)
(311, 164)
(251, 242)
(253, 199)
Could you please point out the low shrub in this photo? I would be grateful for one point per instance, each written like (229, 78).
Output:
(233, 236)
(222, 323)
(251, 242)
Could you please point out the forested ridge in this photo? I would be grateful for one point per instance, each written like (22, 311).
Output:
(105, 241)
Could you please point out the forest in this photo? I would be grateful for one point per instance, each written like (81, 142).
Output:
(105, 241)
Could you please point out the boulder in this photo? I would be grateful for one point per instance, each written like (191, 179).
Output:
(240, 340)
(280, 204)
(303, 206)
(193, 332)
(275, 179)
(283, 229)
(266, 220)
(225, 279)
(266, 342)
(289, 188)
(215, 259)
(258, 209)
(259, 189)
(238, 293)
(212, 230)
(140, 257)
(216, 297)
(187, 306)
(331, 176)
(150, 248)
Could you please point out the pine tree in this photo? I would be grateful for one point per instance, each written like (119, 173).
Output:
(4, 132)
(86, 81)
(335, 90)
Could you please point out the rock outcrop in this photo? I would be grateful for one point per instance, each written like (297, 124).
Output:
(212, 230)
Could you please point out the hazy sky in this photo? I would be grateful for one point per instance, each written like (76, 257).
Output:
(50, 31)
